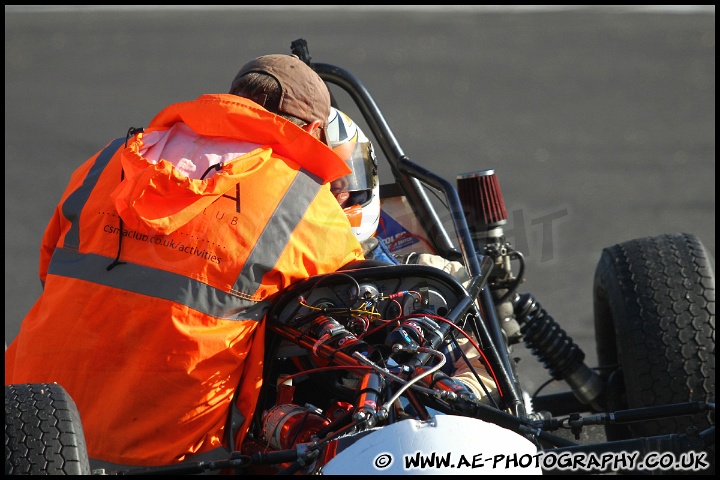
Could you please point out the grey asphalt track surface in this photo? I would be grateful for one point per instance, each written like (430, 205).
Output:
(602, 121)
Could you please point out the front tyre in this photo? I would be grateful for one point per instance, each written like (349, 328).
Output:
(43, 433)
(654, 313)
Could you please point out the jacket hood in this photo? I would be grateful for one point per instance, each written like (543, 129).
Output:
(236, 117)
(159, 196)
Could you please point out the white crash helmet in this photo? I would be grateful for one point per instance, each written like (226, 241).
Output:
(362, 186)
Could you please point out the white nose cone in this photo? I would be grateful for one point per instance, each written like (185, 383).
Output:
(443, 445)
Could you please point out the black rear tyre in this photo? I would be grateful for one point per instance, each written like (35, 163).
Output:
(654, 312)
(43, 433)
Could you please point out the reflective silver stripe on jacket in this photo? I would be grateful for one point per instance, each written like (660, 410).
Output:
(75, 202)
(274, 238)
(156, 283)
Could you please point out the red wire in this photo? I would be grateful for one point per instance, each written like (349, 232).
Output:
(328, 368)
(474, 344)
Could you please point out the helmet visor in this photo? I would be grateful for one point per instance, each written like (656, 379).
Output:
(363, 164)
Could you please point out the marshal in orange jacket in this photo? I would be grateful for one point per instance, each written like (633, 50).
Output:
(156, 284)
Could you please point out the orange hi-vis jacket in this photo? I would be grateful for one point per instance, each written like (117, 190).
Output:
(152, 347)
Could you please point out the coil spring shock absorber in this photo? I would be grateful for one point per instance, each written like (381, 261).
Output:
(551, 345)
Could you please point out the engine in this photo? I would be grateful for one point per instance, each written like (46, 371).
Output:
(357, 349)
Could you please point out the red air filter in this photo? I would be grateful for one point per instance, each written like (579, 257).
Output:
(481, 200)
